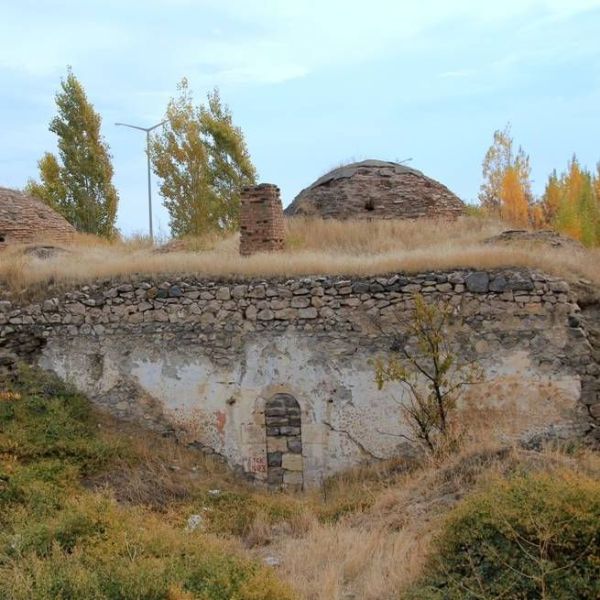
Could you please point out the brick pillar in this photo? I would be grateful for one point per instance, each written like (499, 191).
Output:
(261, 219)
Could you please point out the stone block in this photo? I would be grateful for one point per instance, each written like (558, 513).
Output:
(280, 304)
(520, 284)
(308, 313)
(559, 286)
(274, 459)
(289, 431)
(498, 284)
(239, 291)
(301, 291)
(411, 288)
(292, 462)
(352, 302)
(277, 444)
(258, 291)
(265, 315)
(361, 287)
(317, 301)
(294, 445)
(300, 302)
(251, 313)
(277, 421)
(290, 402)
(286, 314)
(478, 282)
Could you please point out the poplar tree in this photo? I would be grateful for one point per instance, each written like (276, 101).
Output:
(552, 197)
(78, 184)
(514, 204)
(202, 161)
(500, 157)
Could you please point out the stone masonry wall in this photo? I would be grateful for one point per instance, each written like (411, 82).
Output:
(261, 219)
(376, 190)
(222, 364)
(25, 220)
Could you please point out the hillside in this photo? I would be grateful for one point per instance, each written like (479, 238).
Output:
(97, 509)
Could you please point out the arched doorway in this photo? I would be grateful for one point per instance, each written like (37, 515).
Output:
(284, 442)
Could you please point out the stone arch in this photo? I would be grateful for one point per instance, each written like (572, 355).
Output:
(283, 424)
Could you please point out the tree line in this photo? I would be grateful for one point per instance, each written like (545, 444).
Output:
(570, 202)
(199, 156)
(202, 162)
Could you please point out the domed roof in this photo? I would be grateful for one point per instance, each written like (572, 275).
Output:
(376, 189)
(25, 219)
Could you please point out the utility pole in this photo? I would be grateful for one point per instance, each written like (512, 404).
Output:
(147, 130)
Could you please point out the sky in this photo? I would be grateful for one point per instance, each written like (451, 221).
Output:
(311, 83)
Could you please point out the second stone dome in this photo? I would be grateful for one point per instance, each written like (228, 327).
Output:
(376, 189)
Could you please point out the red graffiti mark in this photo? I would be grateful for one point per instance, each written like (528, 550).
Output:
(256, 464)
(221, 420)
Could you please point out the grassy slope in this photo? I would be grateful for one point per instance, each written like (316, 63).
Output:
(90, 508)
(61, 540)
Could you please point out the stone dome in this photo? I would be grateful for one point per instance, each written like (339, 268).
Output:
(376, 189)
(25, 219)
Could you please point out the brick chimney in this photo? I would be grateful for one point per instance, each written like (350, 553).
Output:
(261, 219)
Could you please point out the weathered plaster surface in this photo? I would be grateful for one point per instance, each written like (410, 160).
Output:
(201, 359)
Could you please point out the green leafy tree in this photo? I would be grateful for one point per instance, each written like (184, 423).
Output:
(431, 373)
(78, 184)
(203, 163)
(500, 158)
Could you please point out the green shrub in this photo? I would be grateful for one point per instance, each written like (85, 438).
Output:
(94, 548)
(45, 418)
(533, 536)
(233, 513)
(61, 541)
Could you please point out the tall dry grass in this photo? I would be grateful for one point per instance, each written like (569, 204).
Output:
(380, 552)
(314, 247)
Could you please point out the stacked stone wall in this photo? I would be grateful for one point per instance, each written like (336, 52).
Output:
(261, 220)
(203, 359)
(284, 442)
(376, 190)
(26, 220)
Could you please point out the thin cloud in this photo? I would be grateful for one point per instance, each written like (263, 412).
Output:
(245, 42)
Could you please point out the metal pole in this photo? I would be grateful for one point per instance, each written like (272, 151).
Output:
(149, 187)
(147, 130)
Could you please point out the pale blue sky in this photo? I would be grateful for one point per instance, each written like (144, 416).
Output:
(311, 83)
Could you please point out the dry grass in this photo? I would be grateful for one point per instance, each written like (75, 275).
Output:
(367, 534)
(157, 472)
(378, 553)
(315, 247)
